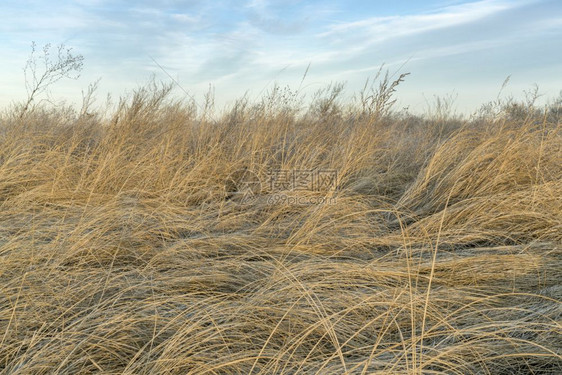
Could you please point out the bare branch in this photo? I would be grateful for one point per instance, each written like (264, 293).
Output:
(38, 80)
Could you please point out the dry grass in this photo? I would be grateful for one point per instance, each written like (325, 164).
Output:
(122, 252)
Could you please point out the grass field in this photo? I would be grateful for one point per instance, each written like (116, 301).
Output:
(132, 241)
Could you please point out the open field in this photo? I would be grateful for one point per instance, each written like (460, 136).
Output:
(126, 246)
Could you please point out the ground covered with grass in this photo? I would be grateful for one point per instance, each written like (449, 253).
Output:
(131, 244)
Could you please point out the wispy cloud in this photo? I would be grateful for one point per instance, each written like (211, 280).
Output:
(378, 29)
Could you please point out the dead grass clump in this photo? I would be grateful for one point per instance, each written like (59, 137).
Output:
(126, 248)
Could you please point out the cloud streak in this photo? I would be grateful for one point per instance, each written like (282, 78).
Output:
(379, 29)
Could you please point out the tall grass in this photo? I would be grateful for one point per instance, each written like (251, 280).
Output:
(122, 250)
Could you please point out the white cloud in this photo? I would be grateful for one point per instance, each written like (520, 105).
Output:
(383, 28)
(185, 18)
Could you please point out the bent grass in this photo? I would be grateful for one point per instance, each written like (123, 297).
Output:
(121, 251)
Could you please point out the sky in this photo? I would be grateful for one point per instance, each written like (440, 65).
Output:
(455, 49)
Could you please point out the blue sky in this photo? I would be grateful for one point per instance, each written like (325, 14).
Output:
(463, 49)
